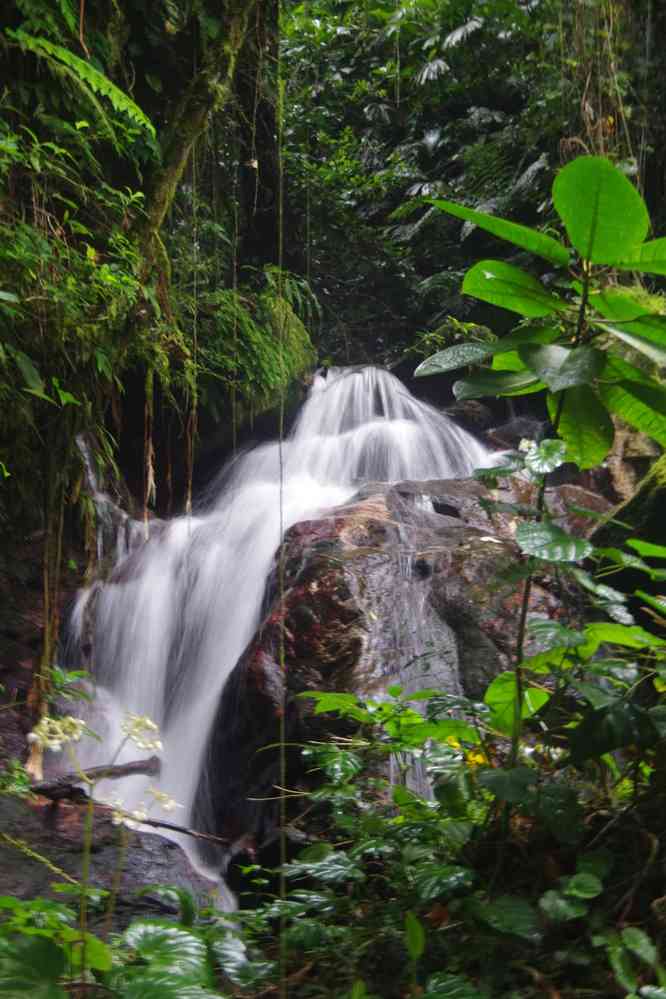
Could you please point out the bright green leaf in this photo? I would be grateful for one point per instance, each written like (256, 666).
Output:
(648, 258)
(647, 548)
(415, 937)
(510, 288)
(584, 425)
(496, 383)
(639, 943)
(583, 885)
(559, 909)
(603, 213)
(549, 542)
(501, 699)
(643, 406)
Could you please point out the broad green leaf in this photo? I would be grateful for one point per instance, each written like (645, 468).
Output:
(231, 954)
(603, 213)
(619, 370)
(622, 966)
(313, 854)
(496, 383)
(558, 807)
(441, 880)
(414, 936)
(549, 542)
(628, 319)
(169, 950)
(178, 897)
(647, 548)
(618, 305)
(584, 425)
(501, 699)
(520, 235)
(85, 949)
(563, 367)
(643, 406)
(639, 943)
(559, 909)
(603, 730)
(9, 296)
(510, 288)
(358, 990)
(583, 885)
(598, 862)
(475, 351)
(648, 258)
(30, 373)
(510, 914)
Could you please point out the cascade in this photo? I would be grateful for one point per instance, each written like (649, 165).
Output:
(179, 608)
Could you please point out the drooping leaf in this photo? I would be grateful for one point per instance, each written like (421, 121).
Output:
(510, 288)
(415, 937)
(603, 213)
(584, 424)
(628, 636)
(520, 235)
(547, 541)
(656, 603)
(496, 383)
(643, 406)
(476, 351)
(646, 345)
(563, 367)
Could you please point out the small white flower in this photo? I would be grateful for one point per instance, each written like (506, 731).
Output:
(164, 800)
(142, 731)
(52, 733)
(527, 445)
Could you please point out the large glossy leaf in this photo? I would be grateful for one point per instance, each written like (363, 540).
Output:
(496, 383)
(563, 367)
(648, 258)
(441, 880)
(519, 235)
(646, 345)
(641, 405)
(584, 425)
(549, 542)
(475, 351)
(510, 288)
(603, 213)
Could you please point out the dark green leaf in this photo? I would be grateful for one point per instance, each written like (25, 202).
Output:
(629, 636)
(442, 985)
(563, 367)
(551, 634)
(496, 383)
(643, 406)
(515, 785)
(643, 344)
(510, 288)
(414, 936)
(510, 914)
(453, 357)
(603, 213)
(551, 543)
(606, 729)
(30, 966)
(519, 235)
(148, 985)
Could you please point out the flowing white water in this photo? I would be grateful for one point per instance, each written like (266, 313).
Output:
(181, 608)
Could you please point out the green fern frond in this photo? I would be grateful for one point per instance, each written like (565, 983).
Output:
(96, 81)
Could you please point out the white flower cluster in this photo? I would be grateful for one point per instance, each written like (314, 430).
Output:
(52, 733)
(527, 445)
(143, 732)
(164, 800)
(139, 814)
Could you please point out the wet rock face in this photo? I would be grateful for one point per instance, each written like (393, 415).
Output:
(381, 590)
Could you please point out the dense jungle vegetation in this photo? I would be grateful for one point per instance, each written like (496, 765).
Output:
(197, 201)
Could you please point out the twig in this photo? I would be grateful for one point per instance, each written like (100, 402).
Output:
(60, 787)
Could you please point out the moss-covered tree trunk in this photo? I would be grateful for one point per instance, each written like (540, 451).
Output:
(209, 90)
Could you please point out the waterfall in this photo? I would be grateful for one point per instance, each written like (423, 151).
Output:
(177, 612)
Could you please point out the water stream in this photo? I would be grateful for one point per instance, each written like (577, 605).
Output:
(179, 609)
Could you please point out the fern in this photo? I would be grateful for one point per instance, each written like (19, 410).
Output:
(86, 75)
